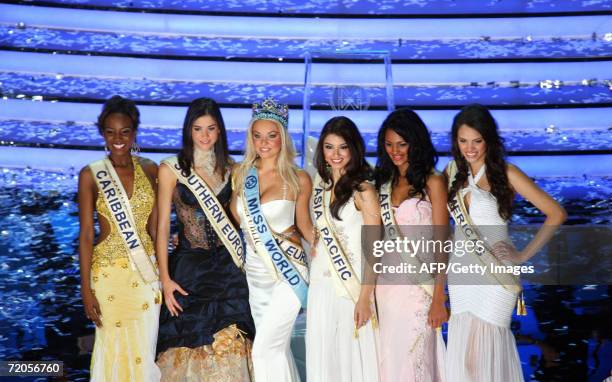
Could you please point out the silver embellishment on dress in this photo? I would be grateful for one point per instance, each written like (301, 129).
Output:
(205, 161)
(423, 332)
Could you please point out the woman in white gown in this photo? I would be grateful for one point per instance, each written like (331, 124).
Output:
(277, 206)
(482, 186)
(341, 338)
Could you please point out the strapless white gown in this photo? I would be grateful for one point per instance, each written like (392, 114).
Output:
(333, 354)
(274, 305)
(481, 346)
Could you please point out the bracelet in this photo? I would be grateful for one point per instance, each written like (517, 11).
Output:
(316, 234)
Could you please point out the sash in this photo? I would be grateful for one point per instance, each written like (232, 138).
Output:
(337, 258)
(462, 219)
(393, 231)
(118, 204)
(214, 211)
(287, 258)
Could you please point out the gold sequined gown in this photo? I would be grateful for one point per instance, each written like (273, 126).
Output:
(124, 349)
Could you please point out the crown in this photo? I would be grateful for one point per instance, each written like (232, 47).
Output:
(270, 110)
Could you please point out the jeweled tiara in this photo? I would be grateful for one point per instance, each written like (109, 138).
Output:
(270, 110)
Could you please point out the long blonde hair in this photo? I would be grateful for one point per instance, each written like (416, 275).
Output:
(285, 161)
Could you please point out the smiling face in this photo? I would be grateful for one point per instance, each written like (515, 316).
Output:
(118, 133)
(397, 148)
(471, 145)
(205, 132)
(336, 152)
(267, 138)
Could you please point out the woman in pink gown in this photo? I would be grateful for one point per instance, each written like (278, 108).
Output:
(413, 199)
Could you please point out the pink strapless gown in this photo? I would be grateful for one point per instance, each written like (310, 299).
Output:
(409, 348)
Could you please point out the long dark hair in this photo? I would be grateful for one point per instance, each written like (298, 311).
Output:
(119, 105)
(357, 170)
(422, 156)
(198, 108)
(480, 119)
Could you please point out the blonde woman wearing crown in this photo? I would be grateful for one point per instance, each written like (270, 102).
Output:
(270, 200)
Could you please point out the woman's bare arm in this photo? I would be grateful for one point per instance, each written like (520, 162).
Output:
(555, 216)
(436, 189)
(367, 202)
(167, 183)
(302, 207)
(86, 199)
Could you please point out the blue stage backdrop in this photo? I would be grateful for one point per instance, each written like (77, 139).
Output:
(543, 67)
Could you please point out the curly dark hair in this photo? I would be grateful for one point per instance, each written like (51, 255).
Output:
(200, 107)
(480, 119)
(422, 156)
(357, 170)
(120, 105)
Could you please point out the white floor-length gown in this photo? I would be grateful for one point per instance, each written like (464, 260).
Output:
(481, 346)
(274, 305)
(333, 354)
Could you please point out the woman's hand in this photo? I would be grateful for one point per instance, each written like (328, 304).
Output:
(169, 287)
(438, 314)
(92, 307)
(363, 312)
(505, 251)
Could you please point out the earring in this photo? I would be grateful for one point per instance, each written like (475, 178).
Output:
(135, 149)
(327, 167)
(106, 150)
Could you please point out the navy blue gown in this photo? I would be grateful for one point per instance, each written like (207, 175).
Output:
(201, 265)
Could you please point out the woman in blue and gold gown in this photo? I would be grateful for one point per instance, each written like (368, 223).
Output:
(123, 307)
(205, 326)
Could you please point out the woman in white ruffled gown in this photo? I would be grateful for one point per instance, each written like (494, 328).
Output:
(481, 346)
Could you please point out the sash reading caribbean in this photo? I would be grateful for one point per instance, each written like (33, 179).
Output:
(118, 204)
(338, 259)
(292, 268)
(462, 219)
(214, 211)
(393, 231)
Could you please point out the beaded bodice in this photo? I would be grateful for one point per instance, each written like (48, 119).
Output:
(194, 228)
(112, 248)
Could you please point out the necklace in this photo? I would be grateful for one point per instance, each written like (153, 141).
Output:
(126, 165)
(204, 160)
